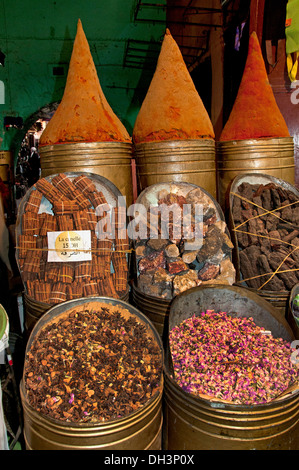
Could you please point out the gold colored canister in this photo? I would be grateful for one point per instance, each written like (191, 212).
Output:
(190, 161)
(274, 157)
(197, 423)
(140, 430)
(113, 160)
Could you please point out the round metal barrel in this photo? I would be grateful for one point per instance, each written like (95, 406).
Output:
(191, 161)
(278, 299)
(271, 156)
(113, 160)
(141, 430)
(195, 423)
(33, 310)
(156, 309)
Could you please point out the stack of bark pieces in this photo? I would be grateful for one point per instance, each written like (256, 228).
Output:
(75, 204)
(266, 224)
(168, 266)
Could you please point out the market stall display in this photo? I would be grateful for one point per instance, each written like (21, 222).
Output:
(68, 244)
(84, 133)
(173, 136)
(93, 378)
(231, 373)
(178, 250)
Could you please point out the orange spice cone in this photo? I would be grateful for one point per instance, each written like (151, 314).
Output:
(172, 108)
(84, 114)
(255, 113)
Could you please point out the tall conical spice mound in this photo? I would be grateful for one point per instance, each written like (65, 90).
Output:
(255, 113)
(172, 108)
(83, 115)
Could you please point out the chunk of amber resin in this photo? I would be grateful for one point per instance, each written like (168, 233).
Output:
(84, 115)
(255, 113)
(172, 108)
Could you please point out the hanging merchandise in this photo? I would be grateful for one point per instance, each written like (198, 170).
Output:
(292, 38)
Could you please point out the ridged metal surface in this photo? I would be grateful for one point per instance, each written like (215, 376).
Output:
(113, 160)
(191, 161)
(199, 424)
(156, 309)
(272, 156)
(141, 430)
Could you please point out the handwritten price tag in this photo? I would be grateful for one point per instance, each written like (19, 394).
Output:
(69, 246)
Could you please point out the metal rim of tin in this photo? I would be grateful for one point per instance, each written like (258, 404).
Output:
(177, 146)
(105, 184)
(262, 144)
(61, 309)
(175, 186)
(86, 145)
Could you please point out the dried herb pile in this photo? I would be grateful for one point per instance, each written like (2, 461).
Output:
(168, 266)
(219, 356)
(266, 219)
(92, 365)
(73, 202)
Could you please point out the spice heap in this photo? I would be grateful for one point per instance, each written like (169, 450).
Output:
(172, 108)
(255, 113)
(266, 223)
(83, 115)
(220, 356)
(91, 365)
(187, 256)
(67, 204)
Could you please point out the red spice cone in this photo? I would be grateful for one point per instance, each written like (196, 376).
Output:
(84, 114)
(255, 113)
(172, 108)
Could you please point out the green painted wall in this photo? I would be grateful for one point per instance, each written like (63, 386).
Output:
(34, 36)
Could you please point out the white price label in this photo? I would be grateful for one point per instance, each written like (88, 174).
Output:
(69, 246)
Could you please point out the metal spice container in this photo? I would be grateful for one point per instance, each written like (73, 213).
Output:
(277, 298)
(112, 160)
(190, 161)
(274, 157)
(139, 430)
(47, 283)
(192, 422)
